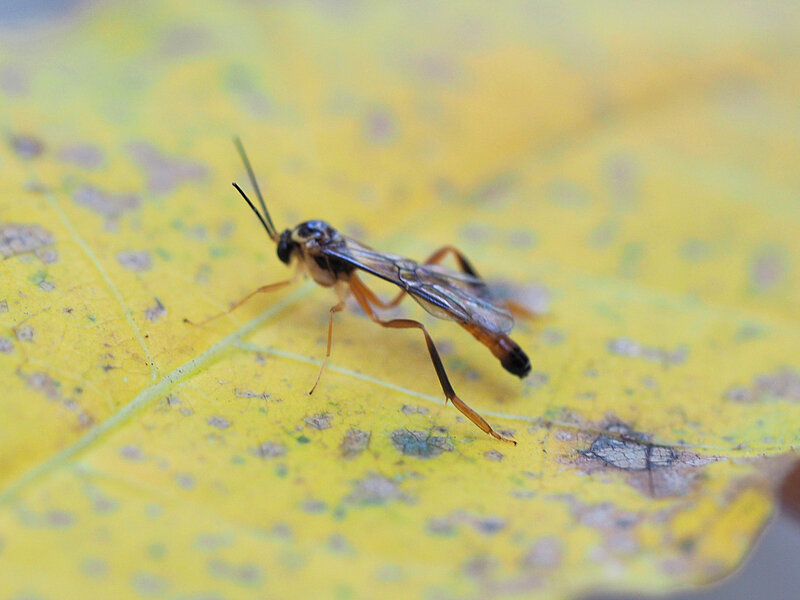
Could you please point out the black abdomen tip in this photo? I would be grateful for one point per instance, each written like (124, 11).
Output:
(517, 362)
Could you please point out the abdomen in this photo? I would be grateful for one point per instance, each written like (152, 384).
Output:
(511, 356)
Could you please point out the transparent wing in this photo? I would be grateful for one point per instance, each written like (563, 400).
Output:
(443, 292)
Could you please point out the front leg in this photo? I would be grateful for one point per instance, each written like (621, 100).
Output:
(264, 288)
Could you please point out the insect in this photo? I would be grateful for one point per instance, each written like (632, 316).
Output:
(335, 261)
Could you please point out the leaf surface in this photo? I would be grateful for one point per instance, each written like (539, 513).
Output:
(627, 177)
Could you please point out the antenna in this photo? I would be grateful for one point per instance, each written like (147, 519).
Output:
(255, 210)
(265, 220)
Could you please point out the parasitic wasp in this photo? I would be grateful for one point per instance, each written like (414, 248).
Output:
(333, 260)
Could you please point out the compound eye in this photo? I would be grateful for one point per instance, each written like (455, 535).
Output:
(285, 247)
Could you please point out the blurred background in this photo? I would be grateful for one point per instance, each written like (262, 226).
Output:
(648, 143)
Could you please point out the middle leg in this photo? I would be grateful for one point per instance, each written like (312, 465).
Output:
(334, 309)
(362, 294)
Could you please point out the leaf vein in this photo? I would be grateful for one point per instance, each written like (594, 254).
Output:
(111, 286)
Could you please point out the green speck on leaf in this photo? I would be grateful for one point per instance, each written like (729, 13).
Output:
(38, 277)
(218, 251)
(156, 551)
(553, 412)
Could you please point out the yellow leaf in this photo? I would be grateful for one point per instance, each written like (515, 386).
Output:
(627, 174)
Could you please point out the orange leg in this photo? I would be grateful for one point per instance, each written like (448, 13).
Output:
(334, 309)
(523, 312)
(264, 288)
(363, 295)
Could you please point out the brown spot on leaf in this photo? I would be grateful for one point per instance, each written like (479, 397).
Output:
(435, 68)
(314, 507)
(339, 544)
(784, 384)
(448, 525)
(218, 422)
(375, 489)
(552, 337)
(46, 255)
(239, 393)
(185, 481)
(155, 312)
(319, 421)
(445, 526)
(632, 349)
(410, 409)
(59, 519)
(87, 156)
(632, 453)
(604, 234)
(495, 190)
(493, 455)
(213, 542)
(110, 206)
(545, 553)
(131, 452)
(51, 389)
(623, 178)
(480, 567)
(537, 379)
(136, 261)
(652, 469)
(421, 444)
(24, 333)
(769, 269)
(489, 525)
(269, 450)
(355, 441)
(94, 567)
(247, 574)
(17, 239)
(380, 127)
(148, 584)
(617, 527)
(6, 345)
(165, 173)
(26, 146)
(105, 505)
(282, 531)
(3, 306)
(226, 229)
